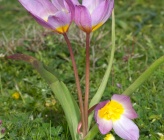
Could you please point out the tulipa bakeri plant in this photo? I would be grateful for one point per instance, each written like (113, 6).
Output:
(117, 113)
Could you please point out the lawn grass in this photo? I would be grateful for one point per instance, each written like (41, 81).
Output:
(36, 114)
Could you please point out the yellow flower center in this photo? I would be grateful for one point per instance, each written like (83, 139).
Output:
(95, 27)
(109, 137)
(111, 111)
(62, 29)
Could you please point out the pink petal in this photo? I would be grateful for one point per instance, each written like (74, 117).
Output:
(70, 6)
(130, 113)
(126, 129)
(91, 4)
(102, 12)
(59, 4)
(64, 5)
(125, 101)
(104, 125)
(42, 22)
(60, 20)
(75, 2)
(83, 18)
(109, 10)
(42, 8)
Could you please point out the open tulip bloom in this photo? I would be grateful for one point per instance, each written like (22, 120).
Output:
(53, 14)
(92, 13)
(117, 114)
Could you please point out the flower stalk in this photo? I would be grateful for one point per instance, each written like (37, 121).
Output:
(87, 73)
(77, 81)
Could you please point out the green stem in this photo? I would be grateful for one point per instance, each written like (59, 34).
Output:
(77, 82)
(87, 69)
(144, 76)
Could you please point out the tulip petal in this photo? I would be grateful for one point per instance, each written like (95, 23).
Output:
(42, 22)
(109, 10)
(65, 6)
(126, 129)
(104, 125)
(82, 18)
(91, 4)
(75, 2)
(71, 7)
(125, 101)
(59, 4)
(130, 113)
(101, 13)
(42, 8)
(60, 22)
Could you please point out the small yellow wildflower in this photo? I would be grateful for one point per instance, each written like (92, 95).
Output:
(162, 137)
(50, 102)
(109, 137)
(16, 95)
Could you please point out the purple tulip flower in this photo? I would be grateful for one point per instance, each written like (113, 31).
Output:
(54, 14)
(117, 114)
(91, 14)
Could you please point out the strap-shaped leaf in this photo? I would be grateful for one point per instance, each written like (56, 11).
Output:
(49, 77)
(144, 76)
(69, 106)
(60, 90)
(92, 133)
(103, 84)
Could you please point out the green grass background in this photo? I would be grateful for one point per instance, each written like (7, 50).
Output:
(36, 115)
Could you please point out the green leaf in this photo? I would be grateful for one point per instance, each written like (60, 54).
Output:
(92, 133)
(144, 76)
(49, 77)
(103, 84)
(60, 90)
(69, 106)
